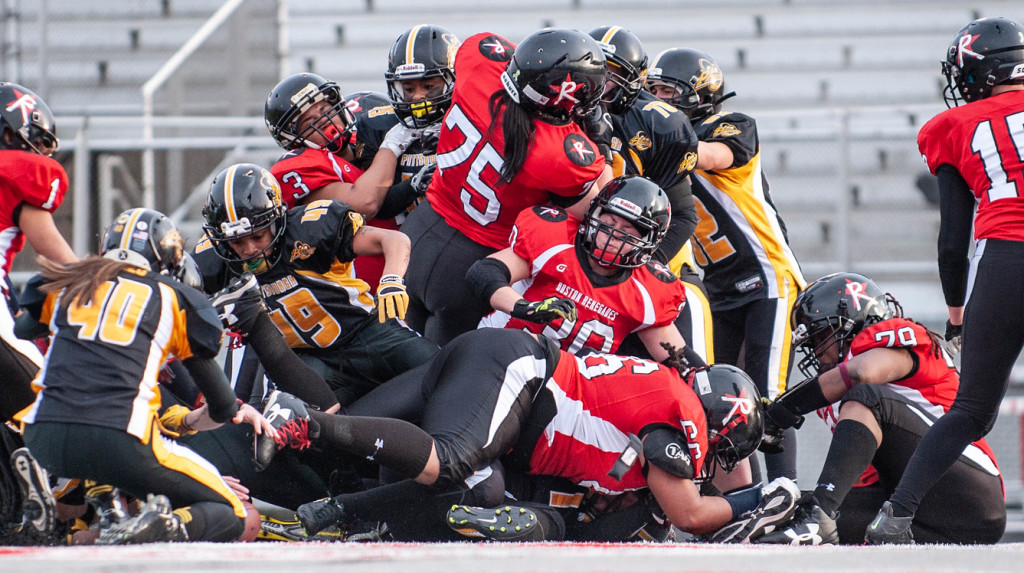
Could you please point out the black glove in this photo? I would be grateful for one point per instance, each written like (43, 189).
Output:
(774, 434)
(239, 303)
(598, 126)
(421, 180)
(429, 138)
(953, 336)
(544, 311)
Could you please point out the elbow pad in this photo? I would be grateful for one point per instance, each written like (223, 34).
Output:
(487, 276)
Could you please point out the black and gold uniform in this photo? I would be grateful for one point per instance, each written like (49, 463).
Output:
(750, 272)
(654, 139)
(319, 307)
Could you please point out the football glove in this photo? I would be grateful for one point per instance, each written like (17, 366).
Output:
(392, 300)
(429, 138)
(598, 126)
(776, 419)
(399, 138)
(544, 311)
(239, 303)
(954, 334)
(421, 180)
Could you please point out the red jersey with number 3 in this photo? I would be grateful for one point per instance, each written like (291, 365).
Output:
(26, 178)
(650, 296)
(602, 398)
(984, 141)
(932, 385)
(467, 190)
(304, 170)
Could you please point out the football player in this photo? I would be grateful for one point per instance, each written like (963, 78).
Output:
(751, 274)
(975, 150)
(507, 143)
(879, 381)
(34, 186)
(302, 260)
(117, 317)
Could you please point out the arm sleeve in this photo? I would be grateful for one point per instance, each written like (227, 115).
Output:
(683, 223)
(287, 370)
(956, 207)
(210, 379)
(398, 198)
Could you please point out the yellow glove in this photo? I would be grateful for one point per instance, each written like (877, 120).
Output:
(392, 300)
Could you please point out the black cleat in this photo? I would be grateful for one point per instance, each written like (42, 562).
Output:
(506, 523)
(318, 515)
(778, 502)
(291, 421)
(887, 529)
(154, 523)
(39, 506)
(811, 526)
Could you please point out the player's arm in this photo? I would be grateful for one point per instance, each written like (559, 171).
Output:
(714, 155)
(394, 245)
(653, 337)
(956, 211)
(490, 278)
(42, 234)
(683, 505)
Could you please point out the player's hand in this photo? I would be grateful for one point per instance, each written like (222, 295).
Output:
(399, 138)
(429, 138)
(598, 126)
(954, 337)
(236, 487)
(239, 303)
(421, 180)
(246, 414)
(777, 418)
(392, 300)
(544, 311)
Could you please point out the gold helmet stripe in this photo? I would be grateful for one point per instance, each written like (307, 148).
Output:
(129, 228)
(607, 38)
(410, 45)
(229, 193)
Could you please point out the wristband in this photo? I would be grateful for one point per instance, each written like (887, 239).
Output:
(846, 376)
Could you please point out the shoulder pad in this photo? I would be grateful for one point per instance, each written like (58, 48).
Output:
(667, 449)
(201, 320)
(550, 214)
(661, 272)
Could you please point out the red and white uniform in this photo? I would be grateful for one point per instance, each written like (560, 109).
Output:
(302, 171)
(650, 296)
(932, 386)
(26, 178)
(467, 190)
(983, 142)
(596, 412)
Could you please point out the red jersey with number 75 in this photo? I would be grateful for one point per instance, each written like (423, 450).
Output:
(984, 141)
(25, 178)
(467, 190)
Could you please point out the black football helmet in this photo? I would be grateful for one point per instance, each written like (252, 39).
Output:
(245, 199)
(147, 239)
(982, 55)
(422, 52)
(26, 122)
(735, 415)
(627, 66)
(290, 99)
(832, 311)
(556, 73)
(696, 78)
(637, 200)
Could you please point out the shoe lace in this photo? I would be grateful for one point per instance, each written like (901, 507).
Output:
(294, 433)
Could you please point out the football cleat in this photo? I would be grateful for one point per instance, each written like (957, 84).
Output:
(887, 529)
(274, 529)
(106, 501)
(778, 502)
(506, 523)
(154, 523)
(290, 419)
(810, 526)
(39, 506)
(318, 515)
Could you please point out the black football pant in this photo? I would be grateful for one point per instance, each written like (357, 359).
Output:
(993, 335)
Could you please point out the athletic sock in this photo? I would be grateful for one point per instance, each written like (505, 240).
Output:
(852, 449)
(395, 444)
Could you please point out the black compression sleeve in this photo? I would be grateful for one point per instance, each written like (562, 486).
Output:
(683, 223)
(487, 276)
(285, 368)
(210, 379)
(956, 209)
(398, 198)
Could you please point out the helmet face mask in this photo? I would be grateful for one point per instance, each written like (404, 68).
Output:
(697, 79)
(830, 313)
(287, 114)
(245, 201)
(145, 238)
(626, 67)
(639, 202)
(734, 413)
(26, 122)
(983, 54)
(422, 53)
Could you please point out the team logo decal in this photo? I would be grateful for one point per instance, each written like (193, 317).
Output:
(963, 48)
(688, 164)
(301, 251)
(566, 89)
(496, 49)
(640, 141)
(726, 130)
(579, 150)
(25, 103)
(661, 272)
(856, 291)
(710, 75)
(742, 406)
(552, 214)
